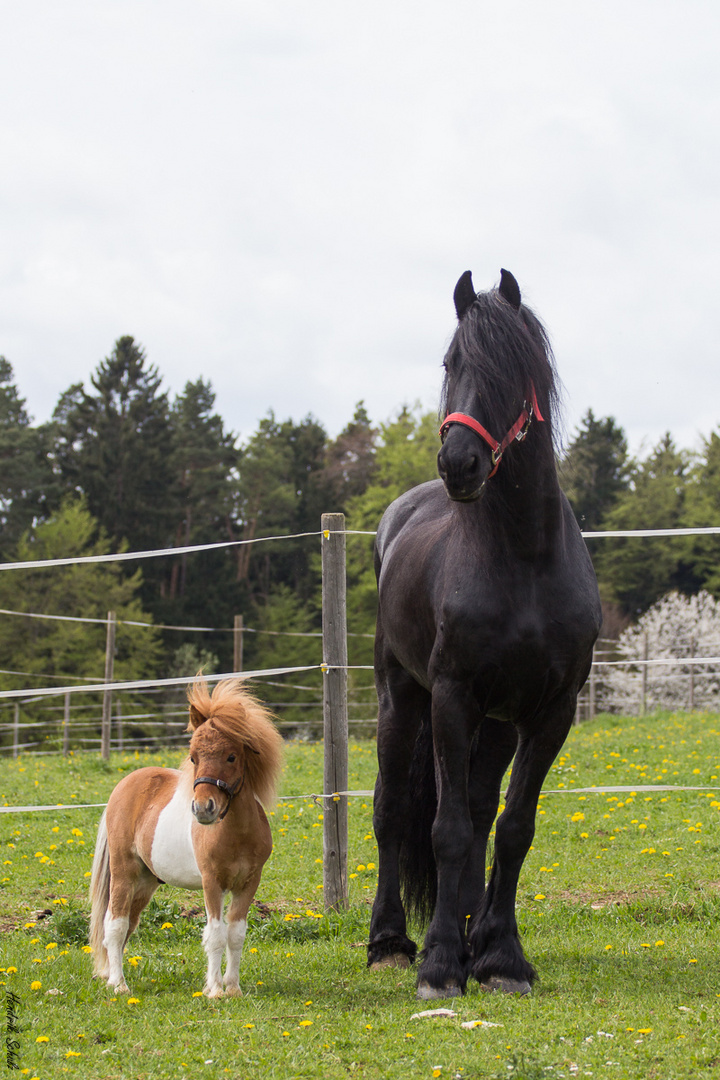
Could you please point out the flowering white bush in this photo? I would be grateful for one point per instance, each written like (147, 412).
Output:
(675, 628)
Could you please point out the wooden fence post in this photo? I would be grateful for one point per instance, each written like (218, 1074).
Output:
(119, 726)
(592, 688)
(107, 693)
(66, 726)
(16, 730)
(643, 704)
(238, 643)
(335, 713)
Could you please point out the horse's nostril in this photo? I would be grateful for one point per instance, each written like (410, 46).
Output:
(211, 805)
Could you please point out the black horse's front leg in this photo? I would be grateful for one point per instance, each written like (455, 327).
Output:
(492, 751)
(455, 716)
(402, 704)
(499, 962)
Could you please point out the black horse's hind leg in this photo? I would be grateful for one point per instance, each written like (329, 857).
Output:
(499, 962)
(455, 717)
(492, 751)
(402, 704)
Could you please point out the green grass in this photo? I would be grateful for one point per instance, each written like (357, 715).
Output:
(618, 906)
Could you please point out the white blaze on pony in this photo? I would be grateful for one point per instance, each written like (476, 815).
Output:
(202, 826)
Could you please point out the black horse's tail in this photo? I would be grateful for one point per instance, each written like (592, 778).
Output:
(418, 876)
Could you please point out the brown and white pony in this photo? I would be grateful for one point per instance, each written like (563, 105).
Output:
(198, 827)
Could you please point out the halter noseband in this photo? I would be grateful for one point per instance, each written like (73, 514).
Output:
(230, 790)
(518, 431)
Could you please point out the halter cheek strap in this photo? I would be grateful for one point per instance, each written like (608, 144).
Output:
(230, 790)
(517, 432)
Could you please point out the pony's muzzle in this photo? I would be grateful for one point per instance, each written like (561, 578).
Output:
(206, 811)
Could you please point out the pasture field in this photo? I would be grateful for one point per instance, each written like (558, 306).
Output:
(619, 908)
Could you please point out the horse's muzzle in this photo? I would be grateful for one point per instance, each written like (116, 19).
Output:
(206, 811)
(463, 470)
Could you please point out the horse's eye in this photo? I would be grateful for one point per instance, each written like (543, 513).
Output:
(232, 757)
(193, 759)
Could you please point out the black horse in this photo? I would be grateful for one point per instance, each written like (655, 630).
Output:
(488, 612)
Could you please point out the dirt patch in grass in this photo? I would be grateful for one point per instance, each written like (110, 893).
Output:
(610, 898)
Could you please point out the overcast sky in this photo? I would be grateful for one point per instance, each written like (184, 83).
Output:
(280, 195)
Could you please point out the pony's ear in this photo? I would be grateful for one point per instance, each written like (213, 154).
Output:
(464, 295)
(509, 289)
(196, 718)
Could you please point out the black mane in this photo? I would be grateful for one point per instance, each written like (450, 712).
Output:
(507, 352)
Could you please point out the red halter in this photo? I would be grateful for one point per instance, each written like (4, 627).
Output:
(518, 431)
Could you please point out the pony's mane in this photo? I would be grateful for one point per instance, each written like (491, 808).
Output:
(233, 711)
(507, 352)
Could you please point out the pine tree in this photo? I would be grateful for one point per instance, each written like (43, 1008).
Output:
(58, 648)
(115, 446)
(637, 572)
(594, 471)
(25, 475)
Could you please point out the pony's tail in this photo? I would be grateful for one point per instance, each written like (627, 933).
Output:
(99, 897)
(418, 875)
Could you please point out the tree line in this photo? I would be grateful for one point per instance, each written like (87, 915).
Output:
(121, 465)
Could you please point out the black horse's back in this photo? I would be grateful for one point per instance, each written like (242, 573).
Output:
(488, 612)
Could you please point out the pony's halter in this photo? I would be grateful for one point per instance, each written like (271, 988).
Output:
(231, 790)
(517, 432)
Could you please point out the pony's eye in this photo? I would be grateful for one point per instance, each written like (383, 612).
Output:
(193, 759)
(232, 757)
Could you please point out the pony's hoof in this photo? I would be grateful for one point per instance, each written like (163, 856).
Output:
(426, 992)
(395, 960)
(233, 991)
(121, 988)
(214, 991)
(506, 986)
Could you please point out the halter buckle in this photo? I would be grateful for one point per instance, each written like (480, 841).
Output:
(522, 433)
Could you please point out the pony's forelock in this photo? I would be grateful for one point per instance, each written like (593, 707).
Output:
(235, 713)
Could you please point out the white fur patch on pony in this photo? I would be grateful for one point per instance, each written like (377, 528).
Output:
(172, 855)
(215, 937)
(115, 933)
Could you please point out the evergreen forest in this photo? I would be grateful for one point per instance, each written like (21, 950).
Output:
(123, 467)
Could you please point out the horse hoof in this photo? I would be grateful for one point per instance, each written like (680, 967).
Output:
(426, 992)
(214, 991)
(506, 986)
(233, 991)
(396, 960)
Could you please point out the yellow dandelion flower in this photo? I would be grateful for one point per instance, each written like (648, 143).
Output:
(36, 985)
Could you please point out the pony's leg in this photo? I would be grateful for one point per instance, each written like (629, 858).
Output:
(236, 929)
(492, 750)
(499, 962)
(402, 703)
(455, 717)
(144, 893)
(125, 876)
(115, 936)
(215, 937)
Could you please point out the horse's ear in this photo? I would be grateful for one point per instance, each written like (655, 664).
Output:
(196, 718)
(464, 295)
(509, 289)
